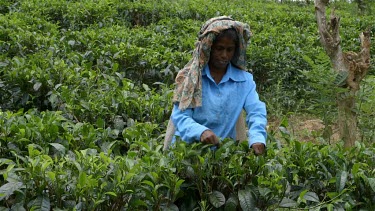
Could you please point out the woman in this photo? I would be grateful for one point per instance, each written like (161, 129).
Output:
(213, 88)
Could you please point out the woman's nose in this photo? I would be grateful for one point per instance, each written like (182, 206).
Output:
(224, 54)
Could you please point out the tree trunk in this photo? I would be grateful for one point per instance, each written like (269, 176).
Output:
(347, 120)
(354, 65)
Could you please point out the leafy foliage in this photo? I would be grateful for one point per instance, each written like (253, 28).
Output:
(146, 178)
(85, 92)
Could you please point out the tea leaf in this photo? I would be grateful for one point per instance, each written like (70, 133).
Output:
(100, 123)
(288, 203)
(217, 199)
(355, 168)
(178, 184)
(341, 77)
(371, 181)
(7, 189)
(71, 42)
(111, 194)
(311, 196)
(171, 207)
(246, 199)
(58, 147)
(42, 203)
(37, 86)
(82, 179)
(231, 203)
(3, 64)
(138, 202)
(147, 182)
(341, 180)
(145, 87)
(18, 207)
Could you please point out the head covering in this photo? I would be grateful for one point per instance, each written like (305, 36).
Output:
(188, 90)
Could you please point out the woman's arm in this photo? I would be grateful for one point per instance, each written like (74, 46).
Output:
(256, 116)
(187, 127)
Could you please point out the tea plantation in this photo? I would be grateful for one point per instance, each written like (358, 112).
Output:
(85, 97)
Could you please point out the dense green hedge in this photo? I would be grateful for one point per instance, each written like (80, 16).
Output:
(150, 40)
(51, 163)
(85, 93)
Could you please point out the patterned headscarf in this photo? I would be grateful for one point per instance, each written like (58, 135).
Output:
(188, 90)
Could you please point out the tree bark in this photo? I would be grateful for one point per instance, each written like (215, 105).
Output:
(347, 119)
(354, 65)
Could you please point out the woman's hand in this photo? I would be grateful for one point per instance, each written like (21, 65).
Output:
(259, 148)
(209, 137)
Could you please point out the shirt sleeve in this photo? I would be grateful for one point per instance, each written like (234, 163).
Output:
(256, 116)
(186, 126)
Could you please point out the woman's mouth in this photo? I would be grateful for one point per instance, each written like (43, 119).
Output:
(223, 62)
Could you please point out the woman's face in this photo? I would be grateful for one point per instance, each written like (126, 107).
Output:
(222, 52)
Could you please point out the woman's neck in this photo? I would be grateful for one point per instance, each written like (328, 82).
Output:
(217, 74)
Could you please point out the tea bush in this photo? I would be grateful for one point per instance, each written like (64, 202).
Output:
(85, 95)
(77, 166)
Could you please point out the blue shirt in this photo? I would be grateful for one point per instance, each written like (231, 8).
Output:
(221, 106)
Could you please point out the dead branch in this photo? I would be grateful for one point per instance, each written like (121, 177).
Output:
(356, 64)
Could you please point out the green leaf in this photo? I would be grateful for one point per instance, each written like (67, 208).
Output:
(145, 87)
(302, 196)
(71, 42)
(288, 203)
(284, 131)
(18, 207)
(42, 203)
(311, 196)
(371, 182)
(8, 189)
(355, 169)
(217, 199)
(144, 145)
(284, 123)
(177, 186)
(264, 191)
(37, 85)
(59, 147)
(138, 202)
(106, 147)
(341, 77)
(99, 202)
(3, 64)
(100, 123)
(149, 183)
(332, 195)
(51, 175)
(82, 179)
(128, 176)
(298, 147)
(111, 194)
(231, 203)
(330, 207)
(341, 180)
(246, 199)
(171, 207)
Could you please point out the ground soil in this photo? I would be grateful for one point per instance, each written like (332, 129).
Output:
(307, 129)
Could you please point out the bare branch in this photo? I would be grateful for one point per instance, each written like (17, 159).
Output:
(358, 63)
(329, 34)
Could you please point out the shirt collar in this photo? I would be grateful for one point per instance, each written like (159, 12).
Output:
(232, 73)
